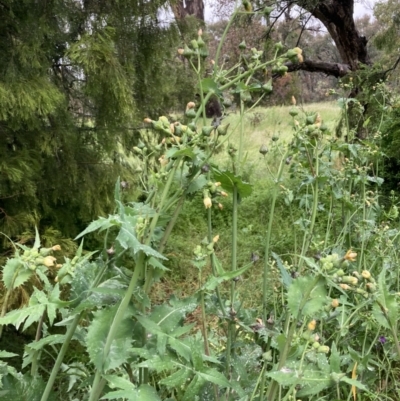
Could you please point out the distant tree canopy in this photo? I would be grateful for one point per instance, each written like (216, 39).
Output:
(76, 79)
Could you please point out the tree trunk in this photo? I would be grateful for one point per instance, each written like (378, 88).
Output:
(184, 8)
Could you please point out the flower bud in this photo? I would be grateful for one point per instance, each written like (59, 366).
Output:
(323, 349)
(366, 274)
(335, 303)
(311, 325)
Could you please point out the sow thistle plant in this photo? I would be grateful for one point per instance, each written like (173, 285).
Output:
(295, 346)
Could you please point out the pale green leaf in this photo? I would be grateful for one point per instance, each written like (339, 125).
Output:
(334, 359)
(302, 299)
(101, 224)
(192, 390)
(11, 270)
(6, 354)
(127, 239)
(177, 379)
(97, 336)
(228, 181)
(213, 376)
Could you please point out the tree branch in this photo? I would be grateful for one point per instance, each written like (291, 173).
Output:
(337, 70)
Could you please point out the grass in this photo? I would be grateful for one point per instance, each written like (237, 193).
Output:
(261, 124)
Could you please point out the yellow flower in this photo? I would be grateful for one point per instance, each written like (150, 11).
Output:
(294, 101)
(335, 303)
(350, 256)
(56, 248)
(345, 286)
(311, 325)
(207, 202)
(49, 261)
(190, 105)
(366, 274)
(220, 206)
(215, 239)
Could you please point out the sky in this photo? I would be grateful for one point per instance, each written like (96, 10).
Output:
(361, 8)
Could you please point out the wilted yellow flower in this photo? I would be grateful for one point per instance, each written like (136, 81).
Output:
(49, 261)
(147, 120)
(200, 32)
(318, 120)
(215, 239)
(223, 193)
(335, 303)
(56, 248)
(366, 274)
(300, 58)
(217, 184)
(190, 105)
(345, 286)
(181, 51)
(294, 101)
(207, 202)
(220, 206)
(163, 160)
(350, 256)
(311, 325)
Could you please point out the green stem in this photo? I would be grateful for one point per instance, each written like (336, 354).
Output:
(34, 366)
(268, 236)
(68, 337)
(314, 210)
(283, 357)
(95, 393)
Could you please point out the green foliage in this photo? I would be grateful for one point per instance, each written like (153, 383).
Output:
(313, 314)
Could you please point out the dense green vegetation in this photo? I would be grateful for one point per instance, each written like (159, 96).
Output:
(249, 257)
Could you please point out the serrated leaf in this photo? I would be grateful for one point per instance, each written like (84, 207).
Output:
(11, 270)
(286, 278)
(299, 289)
(213, 376)
(29, 314)
(6, 354)
(49, 340)
(196, 185)
(209, 85)
(100, 224)
(157, 363)
(228, 181)
(354, 382)
(177, 379)
(387, 302)
(213, 282)
(334, 359)
(157, 264)
(193, 388)
(174, 152)
(36, 245)
(143, 393)
(127, 239)
(284, 377)
(119, 382)
(97, 337)
(23, 276)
